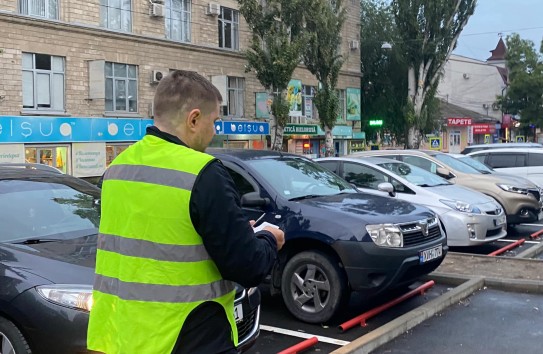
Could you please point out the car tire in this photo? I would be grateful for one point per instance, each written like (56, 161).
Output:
(314, 287)
(12, 338)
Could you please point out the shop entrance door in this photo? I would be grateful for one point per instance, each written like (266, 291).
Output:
(454, 142)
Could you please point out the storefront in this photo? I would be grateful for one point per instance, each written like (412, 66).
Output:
(241, 134)
(483, 133)
(358, 143)
(82, 147)
(457, 135)
(342, 135)
(302, 139)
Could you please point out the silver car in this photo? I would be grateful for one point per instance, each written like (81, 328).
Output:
(469, 217)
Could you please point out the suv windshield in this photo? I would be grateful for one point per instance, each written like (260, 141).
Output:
(40, 210)
(294, 177)
(476, 164)
(414, 174)
(456, 164)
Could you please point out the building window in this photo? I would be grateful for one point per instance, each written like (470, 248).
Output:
(178, 14)
(43, 82)
(236, 94)
(308, 107)
(116, 14)
(40, 8)
(121, 87)
(229, 29)
(342, 107)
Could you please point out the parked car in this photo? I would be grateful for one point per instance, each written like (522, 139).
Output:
(470, 218)
(521, 199)
(338, 240)
(476, 164)
(479, 147)
(47, 256)
(523, 162)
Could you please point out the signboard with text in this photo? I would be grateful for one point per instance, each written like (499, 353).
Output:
(300, 129)
(480, 128)
(242, 128)
(459, 122)
(12, 153)
(88, 159)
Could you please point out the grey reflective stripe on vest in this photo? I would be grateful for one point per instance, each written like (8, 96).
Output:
(148, 174)
(153, 250)
(162, 293)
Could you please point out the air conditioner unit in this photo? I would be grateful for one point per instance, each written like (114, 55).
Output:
(157, 10)
(213, 9)
(157, 76)
(354, 44)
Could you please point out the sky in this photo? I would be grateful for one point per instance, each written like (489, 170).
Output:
(492, 17)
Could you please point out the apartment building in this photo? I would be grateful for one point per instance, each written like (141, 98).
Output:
(78, 76)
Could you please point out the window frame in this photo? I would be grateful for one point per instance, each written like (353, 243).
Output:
(234, 28)
(106, 9)
(25, 5)
(52, 89)
(239, 95)
(185, 20)
(308, 92)
(342, 105)
(127, 81)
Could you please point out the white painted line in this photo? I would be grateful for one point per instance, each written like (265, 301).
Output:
(288, 332)
(540, 225)
(511, 241)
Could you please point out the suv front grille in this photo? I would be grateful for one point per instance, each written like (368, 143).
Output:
(247, 324)
(535, 193)
(413, 233)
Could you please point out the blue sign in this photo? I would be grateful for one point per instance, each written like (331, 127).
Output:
(435, 143)
(242, 127)
(19, 129)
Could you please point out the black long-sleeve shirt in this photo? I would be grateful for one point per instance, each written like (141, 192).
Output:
(240, 255)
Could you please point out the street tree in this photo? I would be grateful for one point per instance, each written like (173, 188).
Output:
(277, 42)
(322, 57)
(429, 31)
(525, 92)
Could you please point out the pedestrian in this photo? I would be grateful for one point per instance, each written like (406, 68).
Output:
(173, 237)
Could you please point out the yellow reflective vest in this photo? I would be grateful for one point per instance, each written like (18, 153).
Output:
(152, 268)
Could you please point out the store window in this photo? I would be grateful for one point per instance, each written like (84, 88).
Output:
(43, 82)
(40, 8)
(178, 14)
(229, 28)
(112, 151)
(308, 108)
(121, 87)
(236, 95)
(54, 156)
(116, 14)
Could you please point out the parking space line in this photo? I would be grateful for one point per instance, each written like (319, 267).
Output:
(540, 225)
(506, 240)
(288, 332)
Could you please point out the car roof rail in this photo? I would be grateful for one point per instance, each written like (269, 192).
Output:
(32, 166)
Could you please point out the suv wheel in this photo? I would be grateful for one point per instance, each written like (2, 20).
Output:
(11, 339)
(314, 287)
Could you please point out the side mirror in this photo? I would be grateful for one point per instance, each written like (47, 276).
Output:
(387, 187)
(253, 199)
(444, 173)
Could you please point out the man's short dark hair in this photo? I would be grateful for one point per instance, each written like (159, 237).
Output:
(183, 91)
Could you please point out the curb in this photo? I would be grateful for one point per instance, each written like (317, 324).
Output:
(531, 252)
(400, 325)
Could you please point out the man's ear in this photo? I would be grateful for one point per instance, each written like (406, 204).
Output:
(193, 118)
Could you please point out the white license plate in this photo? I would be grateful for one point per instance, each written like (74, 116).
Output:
(432, 253)
(499, 221)
(238, 312)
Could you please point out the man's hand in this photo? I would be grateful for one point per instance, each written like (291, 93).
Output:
(277, 233)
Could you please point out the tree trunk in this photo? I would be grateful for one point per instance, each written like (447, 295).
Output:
(328, 141)
(276, 132)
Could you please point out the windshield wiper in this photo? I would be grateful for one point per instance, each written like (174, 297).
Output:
(434, 185)
(33, 241)
(309, 196)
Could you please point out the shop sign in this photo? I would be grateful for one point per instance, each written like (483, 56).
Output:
(88, 159)
(294, 98)
(458, 122)
(353, 104)
(300, 129)
(19, 129)
(12, 153)
(231, 127)
(339, 131)
(359, 135)
(483, 128)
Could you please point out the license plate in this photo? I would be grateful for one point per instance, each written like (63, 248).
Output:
(432, 253)
(238, 312)
(499, 221)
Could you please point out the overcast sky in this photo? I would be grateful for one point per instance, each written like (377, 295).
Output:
(491, 17)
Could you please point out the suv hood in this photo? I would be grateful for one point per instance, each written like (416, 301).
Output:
(63, 262)
(372, 209)
(477, 181)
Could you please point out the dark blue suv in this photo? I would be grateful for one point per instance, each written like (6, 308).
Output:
(337, 239)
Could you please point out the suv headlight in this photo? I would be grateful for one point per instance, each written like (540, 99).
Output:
(512, 189)
(74, 296)
(461, 206)
(386, 235)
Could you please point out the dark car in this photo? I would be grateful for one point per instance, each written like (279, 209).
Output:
(337, 239)
(48, 244)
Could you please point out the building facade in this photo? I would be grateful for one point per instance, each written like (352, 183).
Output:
(79, 76)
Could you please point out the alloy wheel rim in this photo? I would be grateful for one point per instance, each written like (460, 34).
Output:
(310, 288)
(5, 345)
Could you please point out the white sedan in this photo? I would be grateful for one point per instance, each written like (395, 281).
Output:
(469, 217)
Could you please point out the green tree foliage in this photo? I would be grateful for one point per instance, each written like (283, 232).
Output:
(525, 92)
(324, 21)
(276, 47)
(428, 31)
